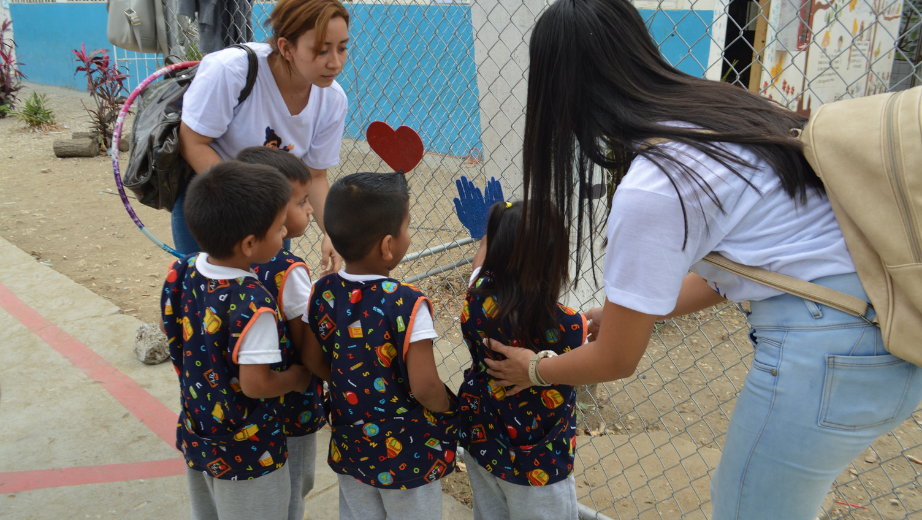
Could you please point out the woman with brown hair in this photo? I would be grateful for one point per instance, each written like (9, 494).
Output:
(709, 167)
(295, 105)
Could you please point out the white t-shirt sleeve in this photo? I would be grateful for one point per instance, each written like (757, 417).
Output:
(323, 151)
(208, 105)
(260, 344)
(297, 293)
(644, 261)
(474, 275)
(422, 326)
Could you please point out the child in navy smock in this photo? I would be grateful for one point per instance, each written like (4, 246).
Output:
(229, 347)
(392, 420)
(518, 447)
(288, 279)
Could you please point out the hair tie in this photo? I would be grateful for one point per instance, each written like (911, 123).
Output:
(508, 205)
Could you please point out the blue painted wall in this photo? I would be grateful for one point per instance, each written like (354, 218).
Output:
(411, 65)
(46, 35)
(666, 26)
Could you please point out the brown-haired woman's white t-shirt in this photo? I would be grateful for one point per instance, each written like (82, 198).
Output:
(210, 109)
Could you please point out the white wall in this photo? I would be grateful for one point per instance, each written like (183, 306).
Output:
(501, 32)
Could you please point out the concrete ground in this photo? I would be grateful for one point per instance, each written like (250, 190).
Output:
(86, 430)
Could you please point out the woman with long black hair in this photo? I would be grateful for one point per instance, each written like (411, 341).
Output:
(709, 167)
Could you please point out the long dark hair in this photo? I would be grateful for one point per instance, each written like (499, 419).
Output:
(598, 88)
(526, 311)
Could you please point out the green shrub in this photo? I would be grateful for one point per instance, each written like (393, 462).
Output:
(35, 112)
(192, 52)
(10, 76)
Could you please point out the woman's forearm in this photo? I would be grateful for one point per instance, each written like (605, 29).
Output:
(320, 186)
(618, 349)
(195, 148)
(203, 157)
(621, 342)
(592, 363)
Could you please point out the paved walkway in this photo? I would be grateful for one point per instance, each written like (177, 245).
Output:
(86, 430)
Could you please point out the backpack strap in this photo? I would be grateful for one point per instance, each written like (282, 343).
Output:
(809, 291)
(252, 71)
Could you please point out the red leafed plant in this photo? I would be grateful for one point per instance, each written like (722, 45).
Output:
(106, 84)
(10, 76)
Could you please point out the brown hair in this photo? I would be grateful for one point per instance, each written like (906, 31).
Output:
(292, 18)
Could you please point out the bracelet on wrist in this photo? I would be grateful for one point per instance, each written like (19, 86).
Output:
(533, 375)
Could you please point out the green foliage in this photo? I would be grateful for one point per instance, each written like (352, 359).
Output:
(192, 52)
(35, 112)
(10, 76)
(731, 70)
(105, 83)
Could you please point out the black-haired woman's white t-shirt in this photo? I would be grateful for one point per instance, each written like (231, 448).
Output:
(645, 261)
(210, 108)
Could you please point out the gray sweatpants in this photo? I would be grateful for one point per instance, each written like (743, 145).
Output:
(496, 499)
(265, 497)
(359, 501)
(302, 451)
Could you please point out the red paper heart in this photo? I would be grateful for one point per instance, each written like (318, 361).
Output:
(401, 149)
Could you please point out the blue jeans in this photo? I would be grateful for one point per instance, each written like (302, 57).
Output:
(821, 389)
(182, 238)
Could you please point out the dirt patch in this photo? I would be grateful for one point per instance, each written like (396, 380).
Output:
(458, 485)
(64, 212)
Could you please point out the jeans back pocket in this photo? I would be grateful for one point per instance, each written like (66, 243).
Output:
(863, 391)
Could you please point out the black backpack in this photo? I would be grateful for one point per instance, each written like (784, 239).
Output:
(157, 174)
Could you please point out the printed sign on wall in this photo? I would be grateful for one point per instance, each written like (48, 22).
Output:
(829, 51)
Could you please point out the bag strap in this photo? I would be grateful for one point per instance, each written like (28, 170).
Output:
(809, 291)
(134, 23)
(252, 71)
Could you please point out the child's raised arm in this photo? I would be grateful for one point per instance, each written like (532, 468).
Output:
(312, 355)
(425, 383)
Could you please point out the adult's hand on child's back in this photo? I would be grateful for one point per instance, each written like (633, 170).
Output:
(512, 371)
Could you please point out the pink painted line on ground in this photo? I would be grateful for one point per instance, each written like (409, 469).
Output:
(16, 481)
(145, 407)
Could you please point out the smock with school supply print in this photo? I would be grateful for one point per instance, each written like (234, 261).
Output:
(526, 438)
(221, 431)
(381, 435)
(302, 413)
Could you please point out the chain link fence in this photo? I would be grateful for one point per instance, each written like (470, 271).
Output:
(456, 72)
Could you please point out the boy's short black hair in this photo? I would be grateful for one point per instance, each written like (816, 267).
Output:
(231, 201)
(290, 166)
(363, 208)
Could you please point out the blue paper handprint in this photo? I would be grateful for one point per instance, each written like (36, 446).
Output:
(473, 208)
(494, 193)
